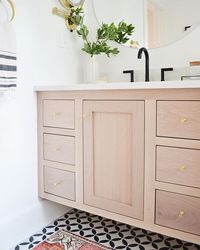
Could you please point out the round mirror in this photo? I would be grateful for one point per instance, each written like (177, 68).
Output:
(71, 3)
(7, 11)
(157, 22)
(76, 2)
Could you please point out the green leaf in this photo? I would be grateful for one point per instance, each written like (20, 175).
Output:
(119, 33)
(87, 48)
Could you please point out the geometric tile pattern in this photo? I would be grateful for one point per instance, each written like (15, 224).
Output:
(107, 232)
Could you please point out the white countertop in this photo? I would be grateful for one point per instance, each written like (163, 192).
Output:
(122, 85)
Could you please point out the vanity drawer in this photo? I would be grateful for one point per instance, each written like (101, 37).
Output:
(59, 148)
(179, 119)
(178, 165)
(59, 182)
(58, 113)
(178, 212)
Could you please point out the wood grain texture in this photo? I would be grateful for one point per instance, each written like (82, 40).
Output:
(58, 113)
(149, 192)
(60, 183)
(114, 156)
(40, 144)
(178, 211)
(59, 148)
(178, 142)
(178, 166)
(79, 149)
(179, 119)
(170, 187)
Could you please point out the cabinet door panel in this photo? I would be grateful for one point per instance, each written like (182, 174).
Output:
(114, 156)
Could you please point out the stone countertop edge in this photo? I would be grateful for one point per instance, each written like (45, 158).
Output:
(121, 85)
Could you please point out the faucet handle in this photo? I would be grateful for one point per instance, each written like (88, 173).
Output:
(131, 72)
(163, 70)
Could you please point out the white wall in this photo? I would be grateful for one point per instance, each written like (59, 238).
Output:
(43, 58)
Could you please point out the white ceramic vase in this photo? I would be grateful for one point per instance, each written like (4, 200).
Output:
(91, 70)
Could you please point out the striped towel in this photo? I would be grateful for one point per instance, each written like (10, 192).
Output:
(8, 57)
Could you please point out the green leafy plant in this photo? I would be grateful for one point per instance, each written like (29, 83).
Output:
(120, 33)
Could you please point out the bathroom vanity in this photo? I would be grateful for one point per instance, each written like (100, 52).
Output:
(129, 152)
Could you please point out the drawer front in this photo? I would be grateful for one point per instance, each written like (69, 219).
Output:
(59, 148)
(58, 113)
(179, 119)
(178, 212)
(59, 182)
(178, 165)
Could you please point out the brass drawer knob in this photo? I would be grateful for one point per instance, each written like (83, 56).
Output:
(181, 214)
(182, 168)
(87, 115)
(184, 120)
(56, 114)
(57, 183)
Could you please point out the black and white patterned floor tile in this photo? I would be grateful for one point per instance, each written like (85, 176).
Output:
(107, 232)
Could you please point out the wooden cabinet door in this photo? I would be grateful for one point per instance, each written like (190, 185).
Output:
(114, 156)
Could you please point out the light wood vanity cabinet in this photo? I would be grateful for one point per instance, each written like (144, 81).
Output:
(129, 155)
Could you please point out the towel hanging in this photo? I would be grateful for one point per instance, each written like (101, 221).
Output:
(8, 56)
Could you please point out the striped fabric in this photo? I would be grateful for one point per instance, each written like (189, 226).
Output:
(8, 57)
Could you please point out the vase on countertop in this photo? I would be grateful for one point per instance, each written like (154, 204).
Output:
(91, 70)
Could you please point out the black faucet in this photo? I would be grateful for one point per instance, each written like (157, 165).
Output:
(146, 62)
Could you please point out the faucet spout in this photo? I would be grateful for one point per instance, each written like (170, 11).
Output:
(144, 50)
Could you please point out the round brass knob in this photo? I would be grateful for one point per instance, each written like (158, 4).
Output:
(184, 120)
(56, 113)
(87, 115)
(57, 183)
(181, 214)
(182, 168)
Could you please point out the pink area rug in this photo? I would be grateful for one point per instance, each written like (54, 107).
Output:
(63, 240)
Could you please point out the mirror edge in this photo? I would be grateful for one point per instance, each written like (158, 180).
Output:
(192, 29)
